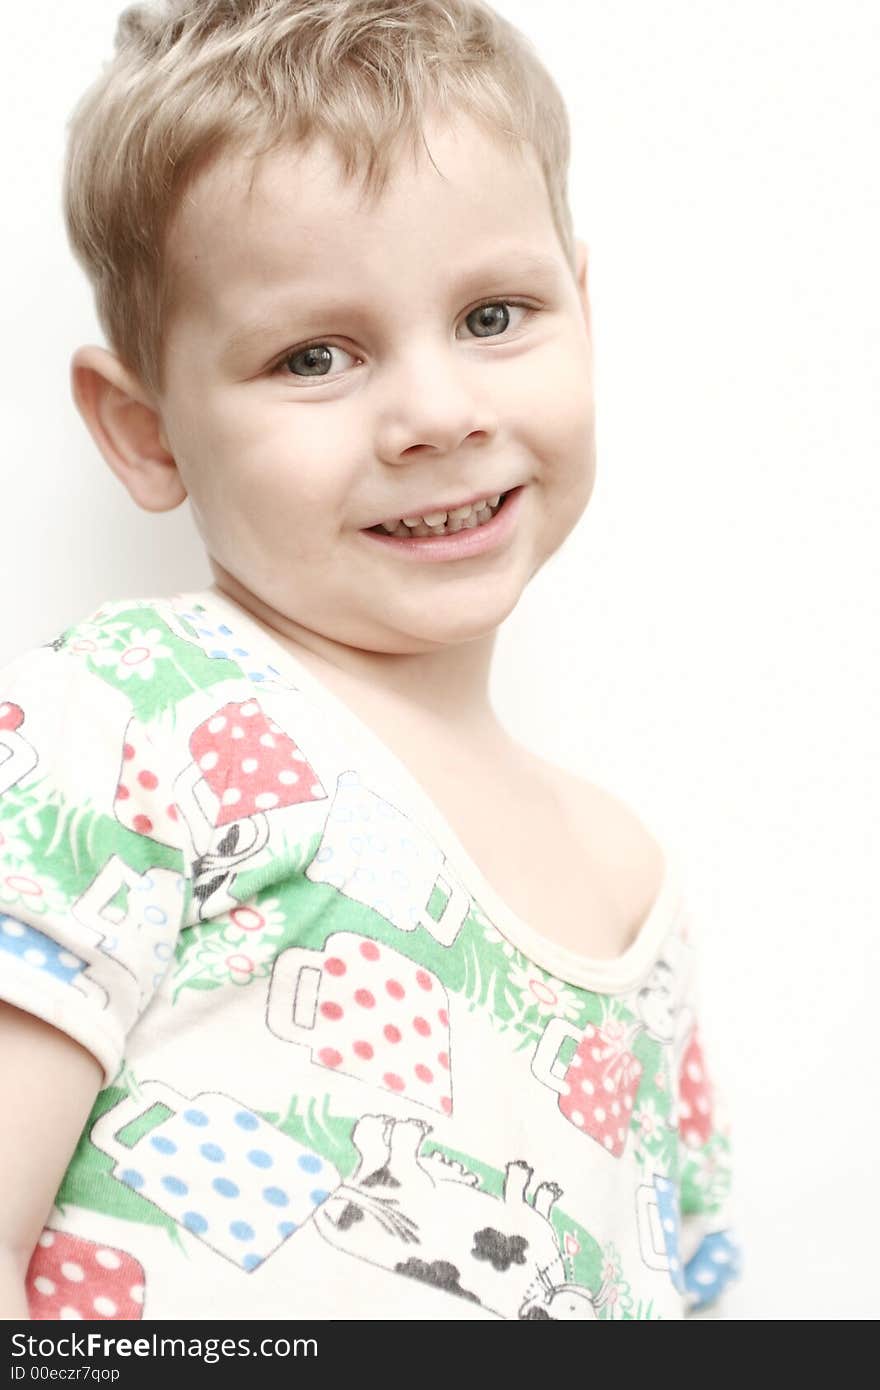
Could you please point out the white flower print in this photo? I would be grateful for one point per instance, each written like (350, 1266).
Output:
(214, 961)
(651, 1124)
(22, 886)
(610, 1264)
(137, 657)
(549, 994)
(614, 1030)
(244, 949)
(242, 968)
(254, 926)
(617, 1296)
(494, 937)
(12, 848)
(709, 1170)
(91, 638)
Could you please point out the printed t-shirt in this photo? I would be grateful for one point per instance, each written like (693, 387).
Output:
(342, 1079)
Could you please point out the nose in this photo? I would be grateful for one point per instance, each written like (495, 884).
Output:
(435, 401)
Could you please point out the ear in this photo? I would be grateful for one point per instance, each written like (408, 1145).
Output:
(581, 274)
(127, 428)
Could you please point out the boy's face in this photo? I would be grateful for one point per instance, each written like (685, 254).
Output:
(410, 397)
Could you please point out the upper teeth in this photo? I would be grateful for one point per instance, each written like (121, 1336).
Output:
(440, 518)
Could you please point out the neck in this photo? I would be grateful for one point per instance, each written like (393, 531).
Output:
(445, 691)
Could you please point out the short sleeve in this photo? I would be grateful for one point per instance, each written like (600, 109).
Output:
(92, 882)
(710, 1252)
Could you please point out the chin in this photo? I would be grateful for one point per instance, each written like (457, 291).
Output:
(468, 625)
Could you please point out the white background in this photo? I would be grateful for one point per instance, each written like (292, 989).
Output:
(705, 645)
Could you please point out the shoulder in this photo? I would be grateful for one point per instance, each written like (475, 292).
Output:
(96, 630)
(77, 709)
(94, 657)
(632, 860)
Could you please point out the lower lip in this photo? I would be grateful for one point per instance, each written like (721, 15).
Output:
(460, 545)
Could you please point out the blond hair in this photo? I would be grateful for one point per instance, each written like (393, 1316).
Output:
(192, 79)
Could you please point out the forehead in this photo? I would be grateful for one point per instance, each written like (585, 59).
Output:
(290, 217)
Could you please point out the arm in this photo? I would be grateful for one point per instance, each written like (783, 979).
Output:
(710, 1251)
(75, 975)
(48, 1085)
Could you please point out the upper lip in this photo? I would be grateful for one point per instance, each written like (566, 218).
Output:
(444, 506)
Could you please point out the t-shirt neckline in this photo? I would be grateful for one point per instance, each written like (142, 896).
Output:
(612, 975)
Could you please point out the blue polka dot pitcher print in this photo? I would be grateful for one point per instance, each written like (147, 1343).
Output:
(218, 1169)
(657, 1217)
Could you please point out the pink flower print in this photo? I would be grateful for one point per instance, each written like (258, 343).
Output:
(213, 960)
(709, 1170)
(550, 995)
(137, 657)
(255, 927)
(651, 1124)
(92, 638)
(239, 946)
(616, 1295)
(241, 968)
(23, 887)
(614, 1030)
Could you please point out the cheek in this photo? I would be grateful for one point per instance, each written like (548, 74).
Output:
(246, 463)
(562, 418)
(284, 502)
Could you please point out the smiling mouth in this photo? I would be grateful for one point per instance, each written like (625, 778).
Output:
(460, 519)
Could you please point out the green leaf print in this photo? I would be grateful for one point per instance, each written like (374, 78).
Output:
(198, 983)
(139, 655)
(329, 1136)
(89, 1181)
(275, 867)
(642, 1312)
(242, 944)
(706, 1176)
(617, 1300)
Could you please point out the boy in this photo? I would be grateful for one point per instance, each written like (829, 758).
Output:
(345, 1003)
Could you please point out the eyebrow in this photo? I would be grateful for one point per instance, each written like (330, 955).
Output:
(521, 263)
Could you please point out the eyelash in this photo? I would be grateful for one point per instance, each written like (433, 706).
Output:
(531, 309)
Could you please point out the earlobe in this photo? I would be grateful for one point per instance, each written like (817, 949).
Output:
(127, 429)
